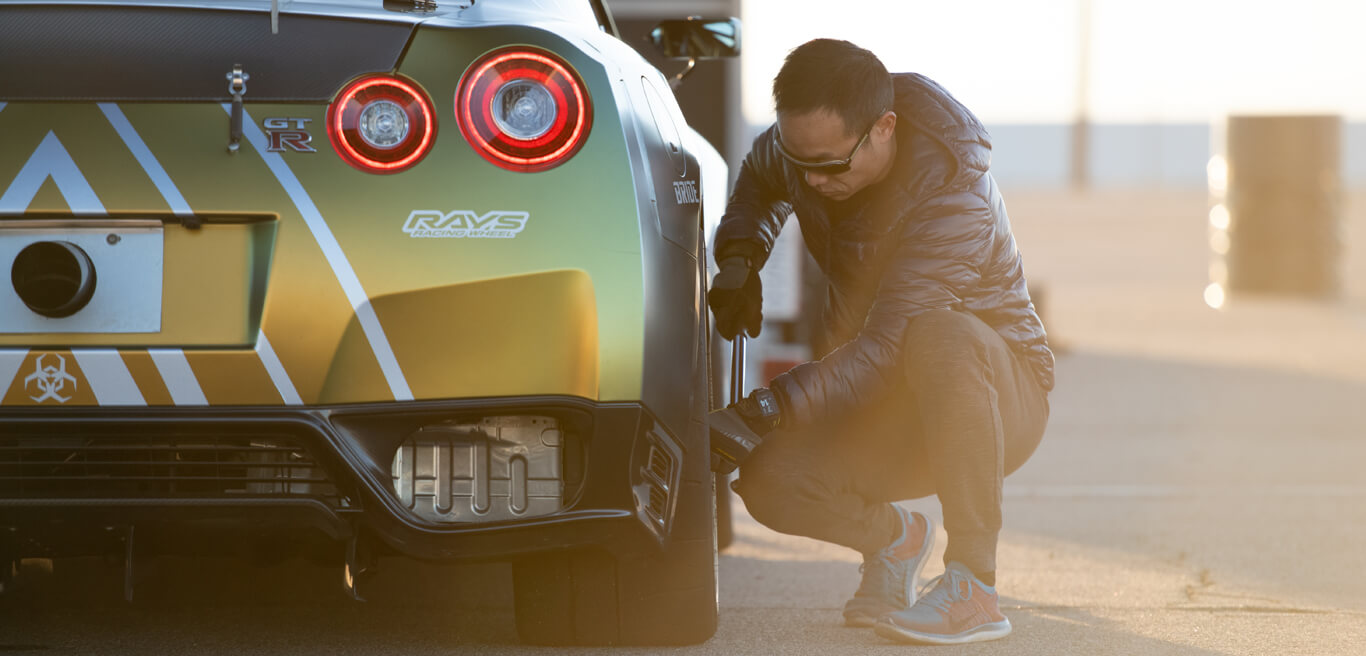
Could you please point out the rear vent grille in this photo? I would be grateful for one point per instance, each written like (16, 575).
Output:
(660, 475)
(196, 466)
(661, 464)
(659, 503)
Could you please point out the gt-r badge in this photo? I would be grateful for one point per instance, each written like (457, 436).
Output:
(498, 224)
(288, 134)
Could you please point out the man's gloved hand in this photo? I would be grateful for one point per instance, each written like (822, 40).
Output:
(736, 298)
(739, 428)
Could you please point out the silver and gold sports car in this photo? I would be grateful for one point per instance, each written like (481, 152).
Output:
(417, 278)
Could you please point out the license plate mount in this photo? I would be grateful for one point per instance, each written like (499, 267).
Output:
(127, 256)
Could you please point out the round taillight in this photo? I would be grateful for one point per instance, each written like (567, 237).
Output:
(381, 124)
(524, 110)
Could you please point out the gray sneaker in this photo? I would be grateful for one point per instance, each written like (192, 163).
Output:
(889, 576)
(958, 609)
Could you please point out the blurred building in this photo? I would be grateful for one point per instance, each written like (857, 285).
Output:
(1172, 155)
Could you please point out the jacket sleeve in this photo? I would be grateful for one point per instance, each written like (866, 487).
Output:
(758, 206)
(942, 247)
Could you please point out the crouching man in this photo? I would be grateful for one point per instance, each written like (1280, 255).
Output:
(938, 377)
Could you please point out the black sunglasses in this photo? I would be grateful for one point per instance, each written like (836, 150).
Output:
(832, 167)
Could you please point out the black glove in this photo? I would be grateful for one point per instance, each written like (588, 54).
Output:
(739, 429)
(736, 298)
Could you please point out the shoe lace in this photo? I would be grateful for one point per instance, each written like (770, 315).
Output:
(880, 580)
(943, 591)
(884, 576)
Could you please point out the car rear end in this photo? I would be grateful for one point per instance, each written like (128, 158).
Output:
(391, 281)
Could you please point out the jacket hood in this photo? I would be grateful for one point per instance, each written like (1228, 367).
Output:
(948, 146)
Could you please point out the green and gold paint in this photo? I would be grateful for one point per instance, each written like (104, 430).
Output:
(556, 310)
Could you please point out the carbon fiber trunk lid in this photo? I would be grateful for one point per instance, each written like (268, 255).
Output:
(117, 53)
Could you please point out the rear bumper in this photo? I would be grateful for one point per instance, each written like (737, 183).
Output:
(607, 497)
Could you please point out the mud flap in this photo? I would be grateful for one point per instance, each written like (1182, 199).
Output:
(359, 566)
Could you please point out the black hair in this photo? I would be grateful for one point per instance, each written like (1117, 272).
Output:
(835, 75)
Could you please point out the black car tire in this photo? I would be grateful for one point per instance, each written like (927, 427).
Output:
(654, 596)
(725, 528)
(718, 388)
(591, 598)
(719, 382)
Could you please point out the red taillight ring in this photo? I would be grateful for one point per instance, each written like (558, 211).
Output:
(485, 106)
(474, 108)
(344, 130)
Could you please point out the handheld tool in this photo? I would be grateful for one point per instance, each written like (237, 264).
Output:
(731, 439)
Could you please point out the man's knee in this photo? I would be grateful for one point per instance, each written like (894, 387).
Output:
(771, 491)
(763, 494)
(939, 335)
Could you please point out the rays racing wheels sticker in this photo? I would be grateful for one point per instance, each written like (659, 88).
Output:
(465, 224)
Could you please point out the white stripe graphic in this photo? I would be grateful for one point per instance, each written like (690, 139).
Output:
(10, 361)
(2, 106)
(146, 159)
(51, 160)
(277, 372)
(179, 377)
(108, 377)
(341, 267)
(171, 363)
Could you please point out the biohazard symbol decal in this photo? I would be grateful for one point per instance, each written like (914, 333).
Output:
(50, 381)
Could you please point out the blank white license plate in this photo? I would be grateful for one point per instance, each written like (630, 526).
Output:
(127, 257)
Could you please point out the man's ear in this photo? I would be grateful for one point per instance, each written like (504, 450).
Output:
(885, 127)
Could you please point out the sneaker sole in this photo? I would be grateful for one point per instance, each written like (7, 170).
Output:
(860, 621)
(992, 631)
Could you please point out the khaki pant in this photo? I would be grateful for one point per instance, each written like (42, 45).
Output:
(970, 411)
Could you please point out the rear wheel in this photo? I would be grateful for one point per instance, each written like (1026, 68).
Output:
(652, 596)
(725, 531)
(647, 598)
(718, 393)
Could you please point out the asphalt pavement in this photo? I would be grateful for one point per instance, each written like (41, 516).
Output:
(1201, 490)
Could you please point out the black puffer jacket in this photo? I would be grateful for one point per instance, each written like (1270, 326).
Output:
(932, 234)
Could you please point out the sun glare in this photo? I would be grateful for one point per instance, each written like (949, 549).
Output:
(1219, 218)
(1214, 295)
(1146, 62)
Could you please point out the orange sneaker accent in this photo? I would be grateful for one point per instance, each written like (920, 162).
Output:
(913, 537)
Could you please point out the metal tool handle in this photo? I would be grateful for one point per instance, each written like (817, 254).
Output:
(737, 367)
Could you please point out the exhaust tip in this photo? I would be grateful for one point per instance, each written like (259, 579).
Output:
(53, 278)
